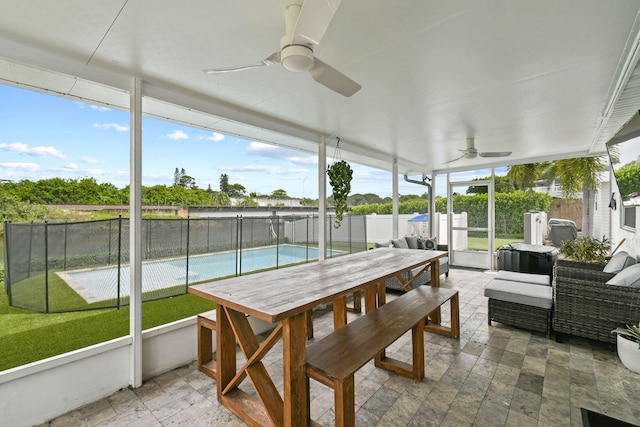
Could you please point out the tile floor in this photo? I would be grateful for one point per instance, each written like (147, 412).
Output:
(493, 376)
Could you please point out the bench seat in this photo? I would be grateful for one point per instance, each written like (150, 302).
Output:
(334, 359)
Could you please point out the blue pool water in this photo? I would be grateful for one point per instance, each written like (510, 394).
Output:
(98, 284)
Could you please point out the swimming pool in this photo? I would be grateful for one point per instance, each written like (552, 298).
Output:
(99, 284)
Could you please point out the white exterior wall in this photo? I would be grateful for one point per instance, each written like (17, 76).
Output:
(602, 212)
(632, 242)
(35, 393)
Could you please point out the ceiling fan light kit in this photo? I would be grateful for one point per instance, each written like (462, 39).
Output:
(296, 58)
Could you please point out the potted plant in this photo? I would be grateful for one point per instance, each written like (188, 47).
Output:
(586, 249)
(340, 175)
(628, 342)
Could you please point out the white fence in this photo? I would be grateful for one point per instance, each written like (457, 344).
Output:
(380, 228)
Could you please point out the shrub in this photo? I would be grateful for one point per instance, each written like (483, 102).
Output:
(586, 249)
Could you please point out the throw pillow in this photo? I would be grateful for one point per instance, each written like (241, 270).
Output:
(412, 241)
(381, 245)
(619, 262)
(629, 277)
(430, 243)
(400, 243)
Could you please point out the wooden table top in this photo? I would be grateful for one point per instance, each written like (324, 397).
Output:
(277, 294)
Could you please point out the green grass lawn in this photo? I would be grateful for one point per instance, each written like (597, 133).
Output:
(27, 336)
(480, 243)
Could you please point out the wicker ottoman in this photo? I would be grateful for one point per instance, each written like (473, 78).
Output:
(521, 300)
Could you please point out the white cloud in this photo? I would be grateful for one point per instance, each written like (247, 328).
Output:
(40, 151)
(87, 159)
(270, 170)
(96, 172)
(215, 136)
(177, 135)
(99, 108)
(280, 153)
(111, 126)
(30, 167)
(71, 166)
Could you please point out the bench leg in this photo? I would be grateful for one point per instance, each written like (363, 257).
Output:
(357, 302)
(339, 312)
(309, 320)
(344, 395)
(206, 363)
(417, 340)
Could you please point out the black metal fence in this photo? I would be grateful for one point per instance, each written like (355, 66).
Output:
(59, 267)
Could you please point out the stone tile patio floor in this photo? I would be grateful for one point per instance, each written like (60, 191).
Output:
(493, 376)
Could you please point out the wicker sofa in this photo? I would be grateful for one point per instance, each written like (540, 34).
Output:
(586, 306)
(413, 242)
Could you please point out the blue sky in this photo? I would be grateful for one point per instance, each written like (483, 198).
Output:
(44, 136)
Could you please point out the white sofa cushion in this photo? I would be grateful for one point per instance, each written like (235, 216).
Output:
(520, 293)
(619, 262)
(629, 277)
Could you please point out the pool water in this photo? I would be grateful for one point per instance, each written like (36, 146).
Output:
(98, 284)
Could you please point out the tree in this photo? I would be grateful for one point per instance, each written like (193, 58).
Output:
(502, 185)
(358, 199)
(224, 183)
(279, 194)
(236, 190)
(181, 179)
(408, 197)
(247, 201)
(572, 175)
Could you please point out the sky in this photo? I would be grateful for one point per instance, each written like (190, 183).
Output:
(44, 136)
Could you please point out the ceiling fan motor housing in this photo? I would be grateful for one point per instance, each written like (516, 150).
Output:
(296, 58)
(470, 153)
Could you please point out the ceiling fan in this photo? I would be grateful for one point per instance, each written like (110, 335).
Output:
(304, 27)
(471, 152)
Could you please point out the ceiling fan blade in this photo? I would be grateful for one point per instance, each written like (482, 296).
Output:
(333, 79)
(314, 19)
(495, 154)
(270, 60)
(456, 159)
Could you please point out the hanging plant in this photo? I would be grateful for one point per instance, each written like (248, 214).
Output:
(340, 175)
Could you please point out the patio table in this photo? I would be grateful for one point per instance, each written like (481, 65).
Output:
(286, 296)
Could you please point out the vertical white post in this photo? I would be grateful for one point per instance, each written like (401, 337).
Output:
(135, 232)
(322, 197)
(434, 227)
(395, 198)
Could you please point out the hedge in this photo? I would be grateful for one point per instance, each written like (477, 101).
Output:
(509, 209)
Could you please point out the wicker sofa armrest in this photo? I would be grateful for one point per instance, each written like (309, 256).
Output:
(586, 306)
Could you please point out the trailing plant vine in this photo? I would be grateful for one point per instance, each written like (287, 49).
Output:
(340, 175)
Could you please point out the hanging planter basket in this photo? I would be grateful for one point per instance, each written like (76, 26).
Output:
(340, 175)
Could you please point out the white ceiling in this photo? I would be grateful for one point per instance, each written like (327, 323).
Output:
(539, 78)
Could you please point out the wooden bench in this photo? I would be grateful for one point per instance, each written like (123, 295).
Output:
(206, 327)
(334, 359)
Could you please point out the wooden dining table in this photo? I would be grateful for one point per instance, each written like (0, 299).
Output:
(286, 296)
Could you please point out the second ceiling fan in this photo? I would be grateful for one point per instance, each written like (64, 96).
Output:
(471, 152)
(304, 27)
